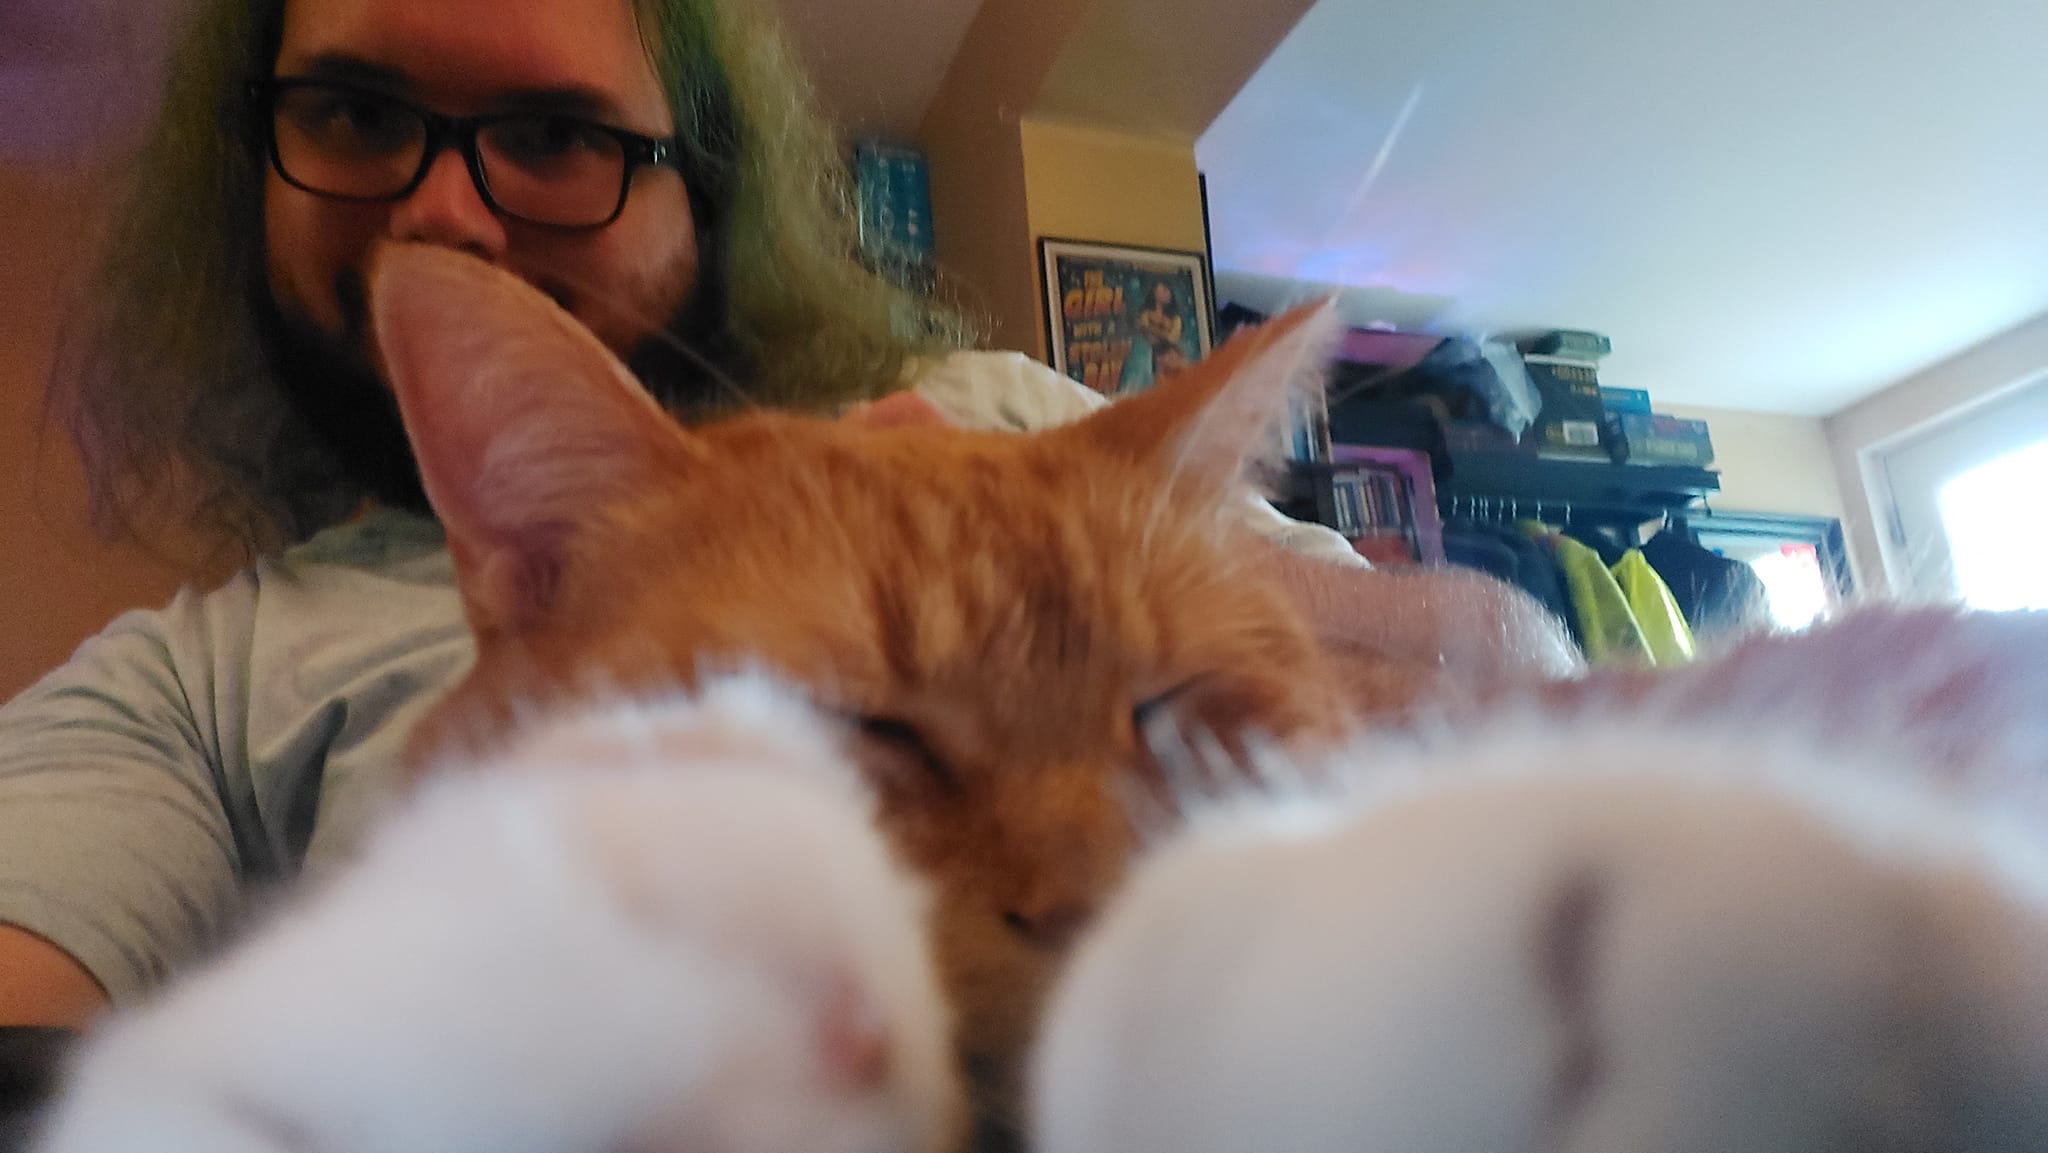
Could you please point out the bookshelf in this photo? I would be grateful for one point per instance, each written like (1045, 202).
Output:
(1620, 496)
(1389, 505)
(1382, 500)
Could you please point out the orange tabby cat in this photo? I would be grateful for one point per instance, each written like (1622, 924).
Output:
(1005, 617)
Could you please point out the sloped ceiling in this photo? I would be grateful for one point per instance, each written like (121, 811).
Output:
(877, 63)
(1779, 205)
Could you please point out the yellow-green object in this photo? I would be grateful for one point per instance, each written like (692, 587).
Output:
(1607, 625)
(1656, 611)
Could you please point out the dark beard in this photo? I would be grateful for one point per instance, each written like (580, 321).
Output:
(341, 402)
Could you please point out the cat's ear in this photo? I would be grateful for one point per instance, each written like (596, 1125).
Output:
(1220, 420)
(522, 422)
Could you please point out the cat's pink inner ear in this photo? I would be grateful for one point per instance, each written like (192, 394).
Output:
(1223, 418)
(523, 423)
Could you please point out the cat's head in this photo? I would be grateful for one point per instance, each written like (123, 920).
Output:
(1002, 617)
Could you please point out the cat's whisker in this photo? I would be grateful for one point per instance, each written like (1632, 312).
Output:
(660, 334)
(717, 375)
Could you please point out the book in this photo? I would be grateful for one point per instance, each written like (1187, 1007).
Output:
(1384, 502)
(1574, 343)
(1625, 399)
(1660, 438)
(1573, 418)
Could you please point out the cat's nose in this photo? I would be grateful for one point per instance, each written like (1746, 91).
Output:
(1052, 926)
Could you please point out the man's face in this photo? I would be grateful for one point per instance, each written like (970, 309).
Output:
(468, 58)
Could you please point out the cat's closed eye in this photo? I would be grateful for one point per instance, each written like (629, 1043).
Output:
(1192, 737)
(1166, 728)
(1206, 703)
(900, 754)
(1148, 715)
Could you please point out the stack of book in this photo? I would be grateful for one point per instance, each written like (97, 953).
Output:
(1371, 502)
(1564, 368)
(1659, 438)
(1638, 435)
(1383, 500)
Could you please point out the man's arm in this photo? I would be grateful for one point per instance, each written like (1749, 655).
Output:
(117, 858)
(41, 984)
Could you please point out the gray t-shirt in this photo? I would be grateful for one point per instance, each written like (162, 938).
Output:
(188, 757)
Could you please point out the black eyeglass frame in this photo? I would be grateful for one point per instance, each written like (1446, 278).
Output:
(460, 132)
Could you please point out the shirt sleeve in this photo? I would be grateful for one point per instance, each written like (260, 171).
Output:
(1010, 392)
(115, 839)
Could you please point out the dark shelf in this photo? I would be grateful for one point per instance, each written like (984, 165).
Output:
(1593, 491)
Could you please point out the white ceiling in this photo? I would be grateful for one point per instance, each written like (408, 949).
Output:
(1779, 205)
(877, 63)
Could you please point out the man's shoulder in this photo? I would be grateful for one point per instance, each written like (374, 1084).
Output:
(380, 538)
(367, 583)
(375, 594)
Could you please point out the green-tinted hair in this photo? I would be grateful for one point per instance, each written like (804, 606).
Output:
(163, 377)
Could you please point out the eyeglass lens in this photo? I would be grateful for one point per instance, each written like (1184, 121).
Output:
(549, 169)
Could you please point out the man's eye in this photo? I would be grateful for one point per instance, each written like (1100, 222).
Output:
(906, 749)
(540, 139)
(363, 121)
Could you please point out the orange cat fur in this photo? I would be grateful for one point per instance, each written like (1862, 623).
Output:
(996, 610)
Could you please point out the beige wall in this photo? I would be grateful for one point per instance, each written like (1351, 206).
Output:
(1769, 462)
(1089, 184)
(57, 583)
(980, 229)
(1955, 386)
(997, 188)
(972, 139)
(1056, 120)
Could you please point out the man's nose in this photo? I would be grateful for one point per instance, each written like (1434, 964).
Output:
(448, 209)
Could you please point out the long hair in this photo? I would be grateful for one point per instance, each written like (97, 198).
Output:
(166, 376)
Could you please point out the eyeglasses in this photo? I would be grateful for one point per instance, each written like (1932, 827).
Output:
(550, 169)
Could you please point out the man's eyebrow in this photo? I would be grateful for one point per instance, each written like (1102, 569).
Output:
(354, 70)
(567, 99)
(571, 100)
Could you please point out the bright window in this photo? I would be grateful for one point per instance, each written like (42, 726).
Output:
(1997, 536)
(1793, 581)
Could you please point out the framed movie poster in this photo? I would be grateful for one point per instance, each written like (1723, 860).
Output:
(1119, 317)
